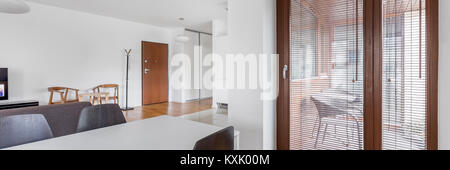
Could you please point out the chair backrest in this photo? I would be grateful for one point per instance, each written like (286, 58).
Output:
(23, 129)
(100, 116)
(108, 86)
(325, 109)
(63, 92)
(52, 89)
(62, 118)
(222, 140)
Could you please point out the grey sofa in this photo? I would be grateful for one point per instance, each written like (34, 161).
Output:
(63, 118)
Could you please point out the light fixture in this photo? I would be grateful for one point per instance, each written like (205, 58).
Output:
(14, 7)
(181, 37)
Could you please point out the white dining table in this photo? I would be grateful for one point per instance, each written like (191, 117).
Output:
(160, 133)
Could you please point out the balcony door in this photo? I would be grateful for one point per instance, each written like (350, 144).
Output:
(360, 74)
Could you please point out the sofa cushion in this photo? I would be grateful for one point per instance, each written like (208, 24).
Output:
(63, 118)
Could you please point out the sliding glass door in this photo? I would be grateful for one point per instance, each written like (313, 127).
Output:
(357, 74)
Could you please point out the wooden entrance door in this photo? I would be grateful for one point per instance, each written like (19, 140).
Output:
(155, 73)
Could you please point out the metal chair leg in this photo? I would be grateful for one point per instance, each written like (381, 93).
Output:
(318, 133)
(325, 133)
(314, 128)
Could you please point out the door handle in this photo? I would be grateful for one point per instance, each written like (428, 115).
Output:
(285, 69)
(147, 70)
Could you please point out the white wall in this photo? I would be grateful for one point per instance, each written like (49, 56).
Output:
(251, 30)
(220, 47)
(57, 47)
(270, 47)
(444, 78)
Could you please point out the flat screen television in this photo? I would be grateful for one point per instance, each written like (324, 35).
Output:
(3, 84)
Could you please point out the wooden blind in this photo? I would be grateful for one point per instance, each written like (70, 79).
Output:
(404, 75)
(326, 80)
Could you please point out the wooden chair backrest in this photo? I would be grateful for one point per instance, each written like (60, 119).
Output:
(108, 86)
(63, 91)
(54, 89)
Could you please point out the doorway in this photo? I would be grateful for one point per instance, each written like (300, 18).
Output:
(155, 73)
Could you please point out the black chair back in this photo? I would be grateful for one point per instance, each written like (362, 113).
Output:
(23, 129)
(100, 116)
(221, 140)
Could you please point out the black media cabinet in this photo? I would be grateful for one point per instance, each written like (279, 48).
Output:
(17, 104)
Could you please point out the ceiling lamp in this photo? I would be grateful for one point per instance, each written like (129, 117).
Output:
(14, 7)
(182, 38)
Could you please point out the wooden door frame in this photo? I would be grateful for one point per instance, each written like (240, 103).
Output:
(372, 74)
(432, 29)
(283, 49)
(142, 68)
(373, 82)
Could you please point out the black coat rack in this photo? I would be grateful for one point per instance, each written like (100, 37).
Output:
(128, 52)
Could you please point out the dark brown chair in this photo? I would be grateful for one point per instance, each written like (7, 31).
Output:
(23, 129)
(103, 88)
(63, 93)
(222, 140)
(100, 116)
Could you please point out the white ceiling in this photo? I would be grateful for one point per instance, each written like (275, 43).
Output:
(165, 13)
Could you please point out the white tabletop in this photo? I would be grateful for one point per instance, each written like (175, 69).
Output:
(160, 133)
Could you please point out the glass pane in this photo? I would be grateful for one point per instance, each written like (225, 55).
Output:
(404, 75)
(326, 42)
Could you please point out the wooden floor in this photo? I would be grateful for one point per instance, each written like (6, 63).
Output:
(173, 109)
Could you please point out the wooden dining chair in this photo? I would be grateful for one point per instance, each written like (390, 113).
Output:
(105, 88)
(63, 93)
